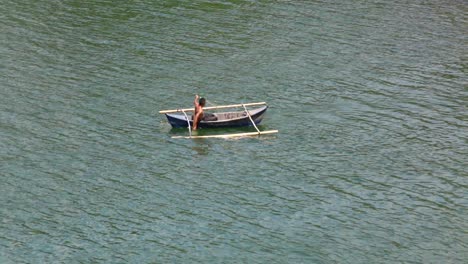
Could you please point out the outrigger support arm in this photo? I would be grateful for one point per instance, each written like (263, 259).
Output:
(250, 117)
(188, 123)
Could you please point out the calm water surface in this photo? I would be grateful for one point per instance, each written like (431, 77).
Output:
(369, 166)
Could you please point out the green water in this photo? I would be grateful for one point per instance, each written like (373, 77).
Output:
(369, 165)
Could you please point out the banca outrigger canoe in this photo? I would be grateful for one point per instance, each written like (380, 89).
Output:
(220, 119)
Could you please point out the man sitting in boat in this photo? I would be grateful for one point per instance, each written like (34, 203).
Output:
(198, 114)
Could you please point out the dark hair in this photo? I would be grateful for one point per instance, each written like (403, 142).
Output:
(202, 101)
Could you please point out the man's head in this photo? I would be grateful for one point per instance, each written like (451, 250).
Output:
(202, 102)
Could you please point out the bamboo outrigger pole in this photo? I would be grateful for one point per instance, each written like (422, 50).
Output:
(211, 107)
(231, 135)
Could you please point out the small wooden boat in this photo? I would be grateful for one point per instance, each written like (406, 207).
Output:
(220, 119)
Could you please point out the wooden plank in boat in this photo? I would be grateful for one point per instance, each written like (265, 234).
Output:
(210, 107)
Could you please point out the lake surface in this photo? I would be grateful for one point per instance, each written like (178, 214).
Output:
(369, 166)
